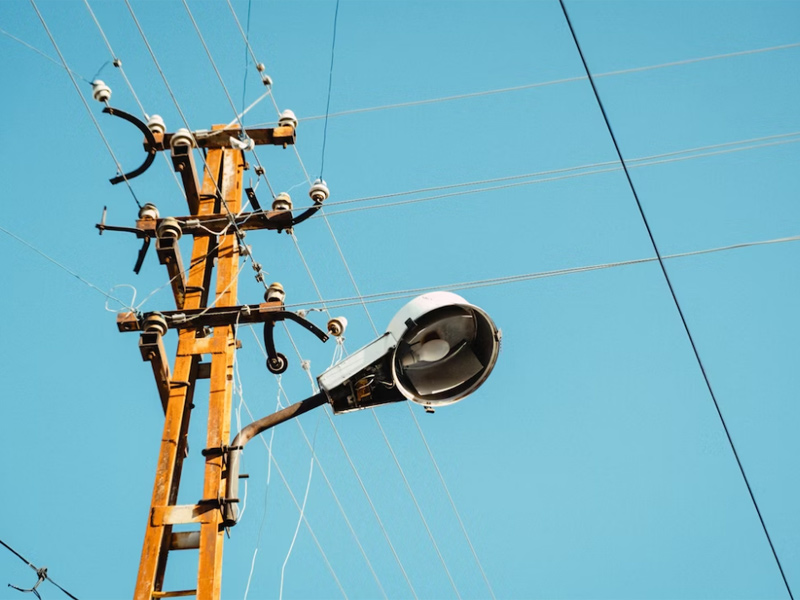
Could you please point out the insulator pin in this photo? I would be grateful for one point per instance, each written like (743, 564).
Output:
(100, 91)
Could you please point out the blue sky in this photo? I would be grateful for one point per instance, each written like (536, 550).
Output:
(592, 463)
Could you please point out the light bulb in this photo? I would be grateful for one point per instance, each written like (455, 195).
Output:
(430, 351)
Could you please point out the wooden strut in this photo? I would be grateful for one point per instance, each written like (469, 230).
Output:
(227, 166)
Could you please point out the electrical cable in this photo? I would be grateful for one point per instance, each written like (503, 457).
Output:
(117, 62)
(529, 86)
(64, 268)
(297, 504)
(330, 87)
(42, 573)
(674, 297)
(479, 283)
(570, 175)
(212, 177)
(85, 104)
(43, 54)
(416, 503)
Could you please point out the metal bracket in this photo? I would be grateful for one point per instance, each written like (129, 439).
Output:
(149, 145)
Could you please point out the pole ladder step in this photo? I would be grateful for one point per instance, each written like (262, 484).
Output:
(175, 594)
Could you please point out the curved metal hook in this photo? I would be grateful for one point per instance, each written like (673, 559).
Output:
(307, 214)
(151, 142)
(277, 362)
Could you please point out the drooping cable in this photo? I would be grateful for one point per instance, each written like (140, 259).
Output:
(279, 405)
(41, 572)
(43, 54)
(674, 296)
(330, 87)
(63, 267)
(83, 100)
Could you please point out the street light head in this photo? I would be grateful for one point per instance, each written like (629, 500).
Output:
(446, 348)
(438, 349)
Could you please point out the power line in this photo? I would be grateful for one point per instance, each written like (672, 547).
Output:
(43, 54)
(330, 87)
(569, 175)
(85, 104)
(337, 303)
(63, 267)
(530, 86)
(673, 294)
(117, 62)
(41, 572)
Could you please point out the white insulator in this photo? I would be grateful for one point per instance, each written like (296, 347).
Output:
(155, 323)
(275, 293)
(169, 228)
(336, 326)
(156, 124)
(266, 79)
(260, 67)
(182, 137)
(319, 192)
(148, 211)
(282, 202)
(245, 145)
(100, 91)
(287, 118)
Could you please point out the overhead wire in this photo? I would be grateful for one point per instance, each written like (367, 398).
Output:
(244, 248)
(372, 323)
(674, 296)
(43, 54)
(529, 86)
(41, 572)
(330, 87)
(117, 62)
(569, 174)
(63, 267)
(83, 100)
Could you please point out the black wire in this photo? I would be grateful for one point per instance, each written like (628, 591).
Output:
(675, 297)
(330, 85)
(43, 571)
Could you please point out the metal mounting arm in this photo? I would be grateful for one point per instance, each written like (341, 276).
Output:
(151, 143)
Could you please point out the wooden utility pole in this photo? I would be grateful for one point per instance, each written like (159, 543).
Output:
(206, 320)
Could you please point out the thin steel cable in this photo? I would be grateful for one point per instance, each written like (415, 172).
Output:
(330, 87)
(31, 565)
(297, 504)
(222, 83)
(452, 503)
(63, 267)
(43, 54)
(416, 504)
(319, 463)
(85, 104)
(337, 303)
(213, 177)
(118, 64)
(246, 61)
(569, 169)
(558, 178)
(549, 83)
(675, 297)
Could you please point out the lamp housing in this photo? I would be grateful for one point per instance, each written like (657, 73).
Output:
(437, 350)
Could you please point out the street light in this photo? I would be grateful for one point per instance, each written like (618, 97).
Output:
(437, 350)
